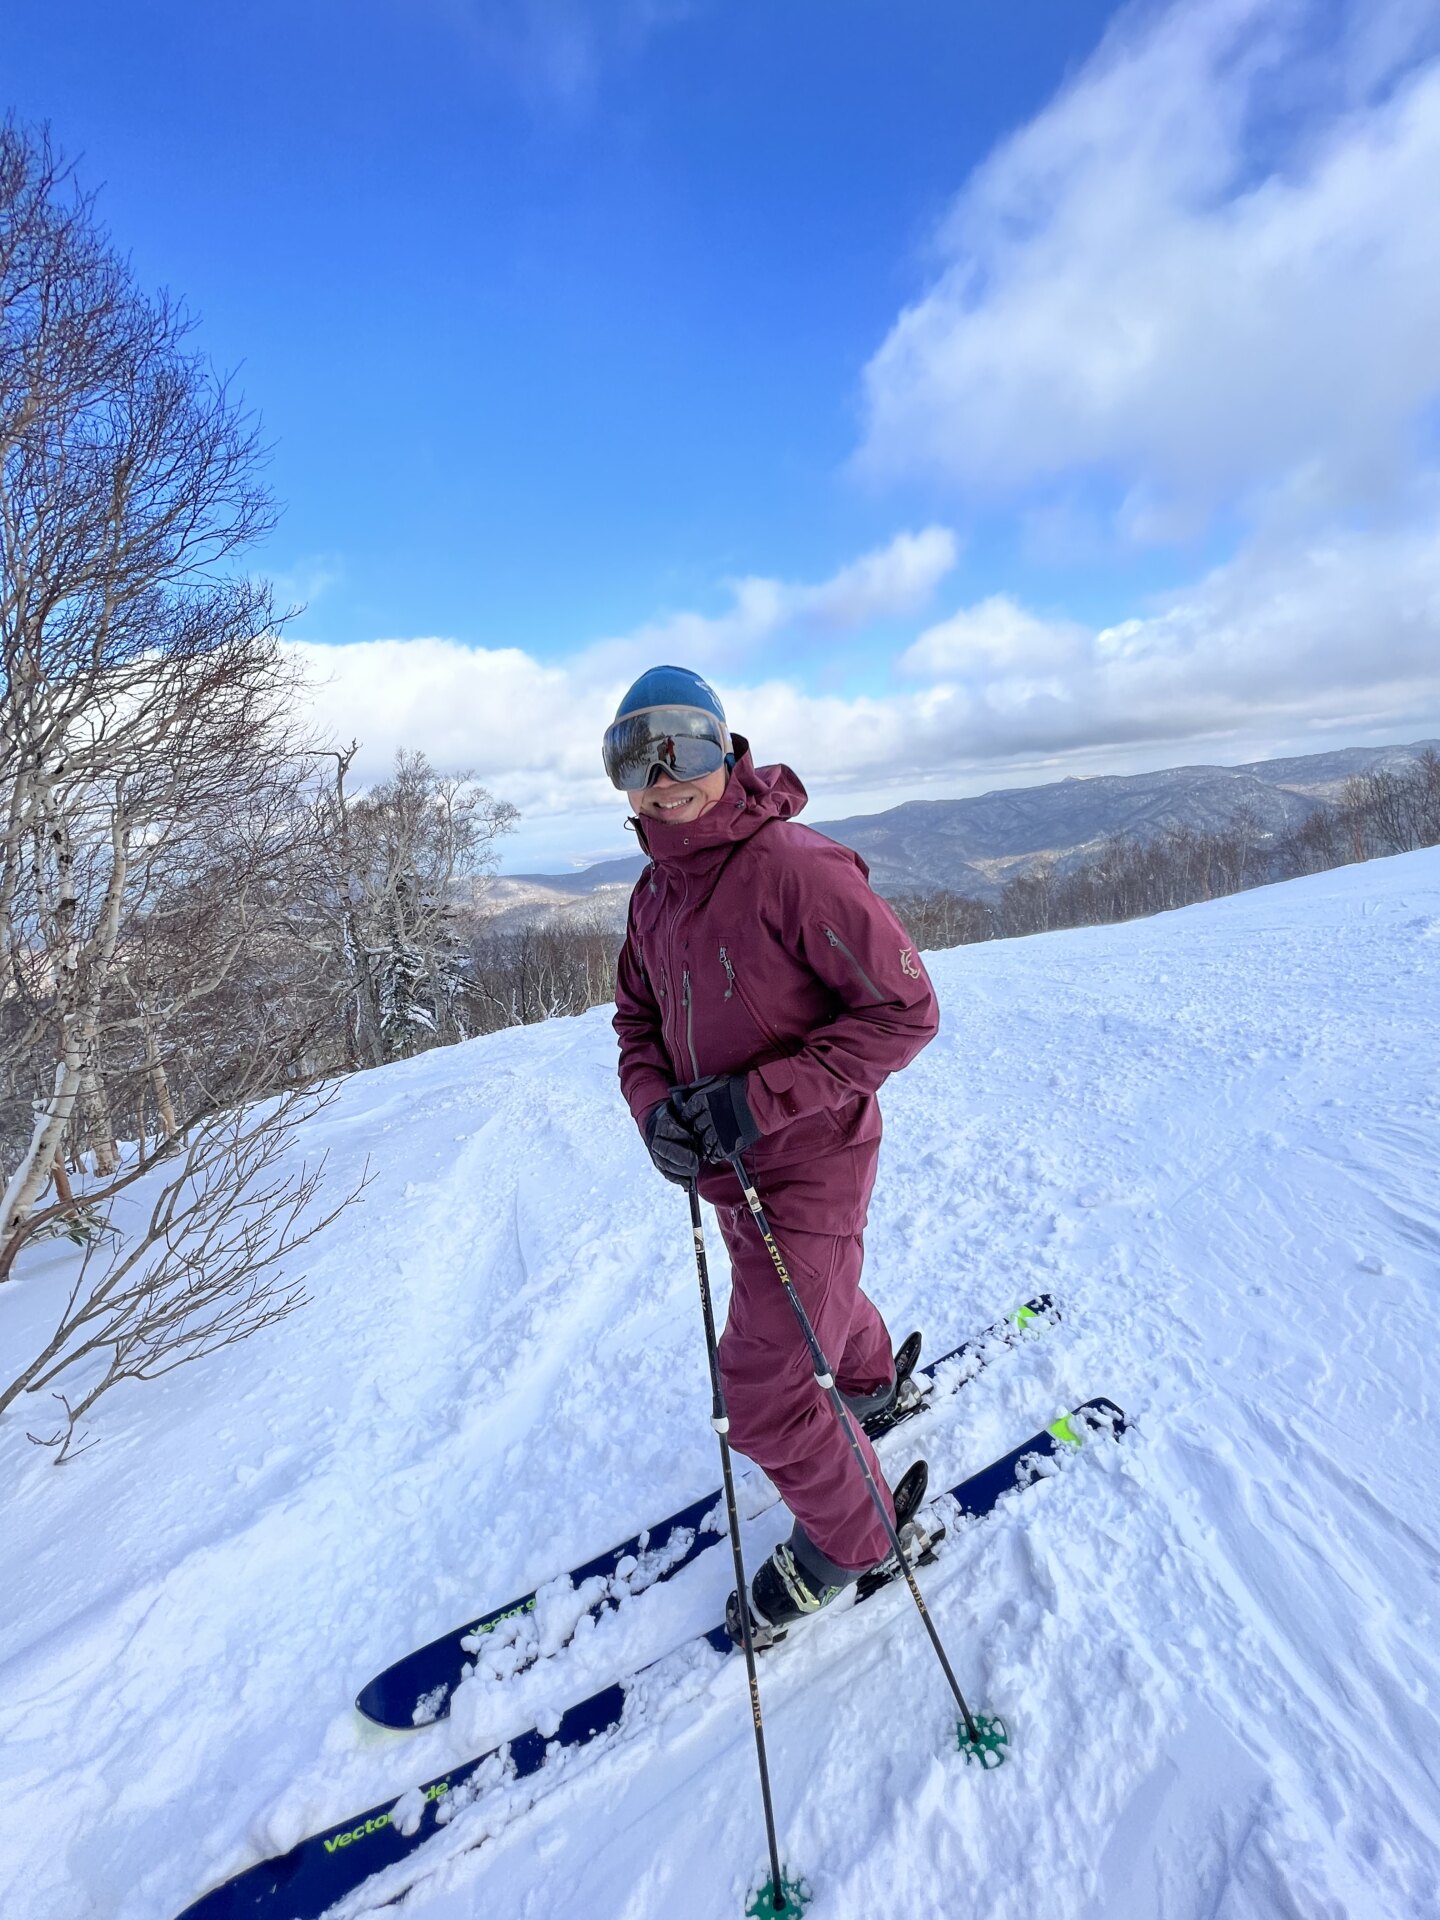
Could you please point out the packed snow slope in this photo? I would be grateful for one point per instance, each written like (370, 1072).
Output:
(1212, 1135)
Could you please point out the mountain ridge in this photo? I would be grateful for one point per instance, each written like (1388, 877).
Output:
(975, 844)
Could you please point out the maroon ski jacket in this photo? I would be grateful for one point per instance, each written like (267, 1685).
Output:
(756, 946)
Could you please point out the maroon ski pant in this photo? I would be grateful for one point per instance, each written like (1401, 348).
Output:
(780, 1417)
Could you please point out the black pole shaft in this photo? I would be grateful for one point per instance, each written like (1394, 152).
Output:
(826, 1379)
(720, 1420)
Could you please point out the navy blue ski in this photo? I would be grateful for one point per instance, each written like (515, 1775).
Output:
(417, 1689)
(304, 1883)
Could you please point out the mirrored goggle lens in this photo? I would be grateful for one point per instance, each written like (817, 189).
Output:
(683, 741)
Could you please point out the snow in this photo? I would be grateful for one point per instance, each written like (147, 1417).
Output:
(1212, 1135)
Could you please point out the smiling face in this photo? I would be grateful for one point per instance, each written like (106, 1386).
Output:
(679, 801)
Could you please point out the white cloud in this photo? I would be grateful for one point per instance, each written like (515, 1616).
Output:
(1339, 633)
(887, 583)
(511, 718)
(996, 635)
(1342, 629)
(537, 727)
(1210, 267)
(897, 579)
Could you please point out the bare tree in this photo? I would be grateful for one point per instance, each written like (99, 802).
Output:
(544, 970)
(939, 918)
(1239, 845)
(140, 670)
(1318, 843)
(213, 947)
(1427, 786)
(1395, 810)
(1027, 901)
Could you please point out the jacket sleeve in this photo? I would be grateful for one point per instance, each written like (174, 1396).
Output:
(887, 1010)
(645, 1073)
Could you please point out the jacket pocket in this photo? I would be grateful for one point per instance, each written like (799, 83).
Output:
(855, 967)
(735, 989)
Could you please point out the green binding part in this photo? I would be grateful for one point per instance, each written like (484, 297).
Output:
(795, 1896)
(1063, 1430)
(1022, 1317)
(991, 1745)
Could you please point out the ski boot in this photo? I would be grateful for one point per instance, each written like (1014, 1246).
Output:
(785, 1589)
(879, 1414)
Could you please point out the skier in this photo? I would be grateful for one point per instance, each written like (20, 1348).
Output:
(764, 993)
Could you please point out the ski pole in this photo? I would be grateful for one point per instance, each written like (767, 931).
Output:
(825, 1378)
(720, 1420)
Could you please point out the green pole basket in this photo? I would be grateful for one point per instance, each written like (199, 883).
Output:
(795, 1896)
(991, 1746)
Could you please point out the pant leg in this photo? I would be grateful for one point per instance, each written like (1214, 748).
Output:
(865, 1370)
(779, 1415)
(865, 1364)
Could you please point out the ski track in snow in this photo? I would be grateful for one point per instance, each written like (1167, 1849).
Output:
(1213, 1135)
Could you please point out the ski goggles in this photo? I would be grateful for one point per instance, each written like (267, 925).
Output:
(685, 742)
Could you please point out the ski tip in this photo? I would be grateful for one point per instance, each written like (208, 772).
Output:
(370, 1705)
(793, 1898)
(381, 1706)
(1041, 1311)
(1094, 1416)
(1105, 1414)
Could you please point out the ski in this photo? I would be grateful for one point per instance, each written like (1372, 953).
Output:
(305, 1882)
(417, 1689)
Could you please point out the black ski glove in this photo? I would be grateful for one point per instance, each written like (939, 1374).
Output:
(719, 1115)
(673, 1146)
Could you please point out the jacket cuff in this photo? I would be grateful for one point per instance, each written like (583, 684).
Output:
(647, 1094)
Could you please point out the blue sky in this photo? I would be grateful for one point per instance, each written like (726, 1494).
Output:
(979, 394)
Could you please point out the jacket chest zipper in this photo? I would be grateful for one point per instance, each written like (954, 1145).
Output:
(689, 1002)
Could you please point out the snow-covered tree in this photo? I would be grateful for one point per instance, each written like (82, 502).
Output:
(405, 857)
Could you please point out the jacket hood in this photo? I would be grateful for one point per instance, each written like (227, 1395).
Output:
(753, 797)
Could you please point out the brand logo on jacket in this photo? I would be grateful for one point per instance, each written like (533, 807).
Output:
(908, 963)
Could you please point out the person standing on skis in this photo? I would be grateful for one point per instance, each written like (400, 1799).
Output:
(764, 994)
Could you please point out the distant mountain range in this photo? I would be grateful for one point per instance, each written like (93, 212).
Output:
(974, 846)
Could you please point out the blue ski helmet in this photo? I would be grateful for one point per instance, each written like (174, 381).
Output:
(671, 687)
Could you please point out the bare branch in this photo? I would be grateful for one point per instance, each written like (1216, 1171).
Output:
(212, 1265)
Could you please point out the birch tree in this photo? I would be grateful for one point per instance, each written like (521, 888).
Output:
(139, 669)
